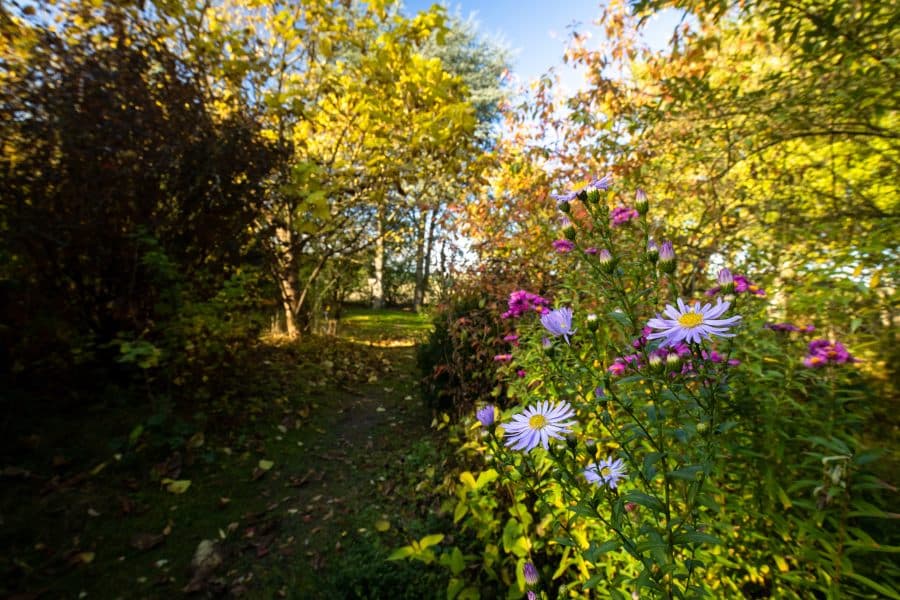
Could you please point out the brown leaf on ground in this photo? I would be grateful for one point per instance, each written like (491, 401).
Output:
(169, 468)
(146, 541)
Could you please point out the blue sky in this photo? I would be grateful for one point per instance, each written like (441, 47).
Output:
(536, 30)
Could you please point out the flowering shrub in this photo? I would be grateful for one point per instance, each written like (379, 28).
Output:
(666, 446)
(467, 356)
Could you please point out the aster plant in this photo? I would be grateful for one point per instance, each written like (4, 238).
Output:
(620, 449)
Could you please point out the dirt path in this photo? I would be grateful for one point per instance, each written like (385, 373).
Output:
(325, 473)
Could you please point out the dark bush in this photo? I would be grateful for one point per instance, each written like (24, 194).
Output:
(125, 204)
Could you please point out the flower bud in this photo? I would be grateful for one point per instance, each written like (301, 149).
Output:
(531, 574)
(652, 251)
(726, 281)
(569, 232)
(666, 258)
(565, 207)
(656, 363)
(641, 204)
(673, 362)
(486, 415)
(593, 196)
(606, 260)
(593, 322)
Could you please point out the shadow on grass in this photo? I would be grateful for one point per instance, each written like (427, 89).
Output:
(302, 480)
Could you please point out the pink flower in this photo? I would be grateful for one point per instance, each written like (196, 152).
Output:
(563, 246)
(621, 215)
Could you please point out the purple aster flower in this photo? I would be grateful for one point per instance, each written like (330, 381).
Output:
(618, 367)
(653, 250)
(559, 322)
(604, 256)
(822, 352)
(531, 595)
(742, 284)
(590, 250)
(531, 573)
(486, 415)
(692, 323)
(607, 472)
(599, 392)
(563, 246)
(581, 190)
(546, 342)
(621, 215)
(537, 424)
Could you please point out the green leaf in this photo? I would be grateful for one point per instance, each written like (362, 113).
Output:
(431, 540)
(486, 477)
(689, 472)
(696, 537)
(593, 581)
(881, 589)
(644, 500)
(468, 480)
(401, 553)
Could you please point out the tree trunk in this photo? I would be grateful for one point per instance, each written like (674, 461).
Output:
(429, 246)
(287, 280)
(378, 280)
(419, 292)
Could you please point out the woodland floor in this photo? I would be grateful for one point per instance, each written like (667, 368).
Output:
(323, 467)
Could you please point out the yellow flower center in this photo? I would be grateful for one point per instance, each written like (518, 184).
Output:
(690, 319)
(605, 471)
(537, 422)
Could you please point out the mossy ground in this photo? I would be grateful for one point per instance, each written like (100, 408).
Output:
(352, 458)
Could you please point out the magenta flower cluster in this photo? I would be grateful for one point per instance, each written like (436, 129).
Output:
(742, 285)
(621, 215)
(563, 246)
(522, 302)
(823, 352)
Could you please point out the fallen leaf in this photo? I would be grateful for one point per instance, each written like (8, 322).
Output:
(265, 465)
(382, 525)
(176, 486)
(146, 541)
